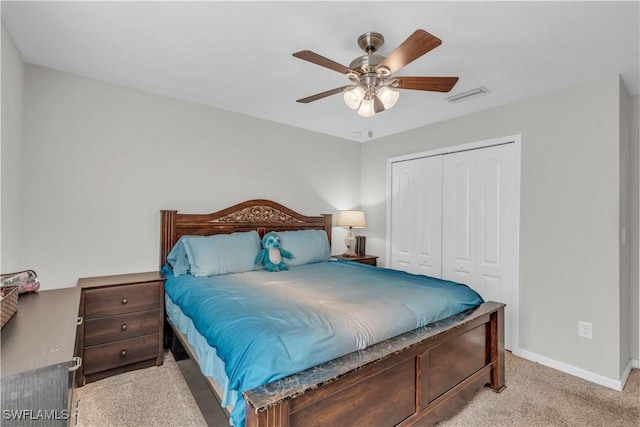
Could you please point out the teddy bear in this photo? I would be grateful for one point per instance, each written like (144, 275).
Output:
(271, 255)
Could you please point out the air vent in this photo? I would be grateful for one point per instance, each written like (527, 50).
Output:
(468, 94)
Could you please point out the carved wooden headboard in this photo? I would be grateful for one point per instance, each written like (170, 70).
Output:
(260, 215)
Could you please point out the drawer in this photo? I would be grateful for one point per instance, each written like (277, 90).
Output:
(122, 299)
(107, 356)
(114, 328)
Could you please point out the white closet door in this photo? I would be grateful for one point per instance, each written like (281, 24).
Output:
(458, 224)
(478, 224)
(494, 276)
(416, 215)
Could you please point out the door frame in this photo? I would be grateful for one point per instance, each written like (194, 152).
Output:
(511, 139)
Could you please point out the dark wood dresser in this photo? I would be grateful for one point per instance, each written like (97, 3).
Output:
(123, 322)
(39, 360)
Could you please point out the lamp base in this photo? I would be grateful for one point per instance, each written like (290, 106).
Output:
(350, 243)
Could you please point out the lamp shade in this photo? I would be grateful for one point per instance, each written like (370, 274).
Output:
(354, 97)
(366, 108)
(388, 97)
(353, 219)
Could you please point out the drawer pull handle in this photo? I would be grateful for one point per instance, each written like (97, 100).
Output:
(124, 300)
(123, 327)
(123, 353)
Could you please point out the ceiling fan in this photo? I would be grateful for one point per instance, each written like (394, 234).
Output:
(372, 76)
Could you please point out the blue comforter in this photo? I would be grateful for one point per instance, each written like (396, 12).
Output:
(266, 326)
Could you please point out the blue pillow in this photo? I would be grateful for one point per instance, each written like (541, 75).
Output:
(223, 253)
(306, 246)
(178, 258)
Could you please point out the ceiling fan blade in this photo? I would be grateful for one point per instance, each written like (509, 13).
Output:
(307, 55)
(434, 84)
(416, 45)
(322, 95)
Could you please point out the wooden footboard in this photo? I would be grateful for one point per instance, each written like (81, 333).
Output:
(420, 377)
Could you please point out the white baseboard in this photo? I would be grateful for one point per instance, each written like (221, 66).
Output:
(617, 385)
(625, 374)
(635, 363)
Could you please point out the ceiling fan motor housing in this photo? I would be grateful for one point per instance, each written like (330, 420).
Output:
(370, 76)
(366, 63)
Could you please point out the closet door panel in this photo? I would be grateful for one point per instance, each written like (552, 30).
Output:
(458, 221)
(489, 246)
(401, 218)
(429, 218)
(496, 209)
(416, 215)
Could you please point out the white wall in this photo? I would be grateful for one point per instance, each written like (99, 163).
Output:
(102, 160)
(11, 154)
(634, 226)
(569, 225)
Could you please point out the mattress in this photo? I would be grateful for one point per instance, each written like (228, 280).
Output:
(210, 364)
(264, 326)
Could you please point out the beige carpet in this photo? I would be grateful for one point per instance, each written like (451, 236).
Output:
(536, 396)
(153, 397)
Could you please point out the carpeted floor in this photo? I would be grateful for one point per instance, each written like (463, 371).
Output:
(536, 396)
(153, 397)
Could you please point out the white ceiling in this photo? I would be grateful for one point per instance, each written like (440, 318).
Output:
(237, 55)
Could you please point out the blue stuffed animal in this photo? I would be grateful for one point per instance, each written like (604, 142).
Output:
(271, 255)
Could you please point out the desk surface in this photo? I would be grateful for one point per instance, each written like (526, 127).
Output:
(43, 331)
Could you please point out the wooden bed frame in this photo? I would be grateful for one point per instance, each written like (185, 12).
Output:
(417, 378)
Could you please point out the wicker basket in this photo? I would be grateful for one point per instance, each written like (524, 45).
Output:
(9, 303)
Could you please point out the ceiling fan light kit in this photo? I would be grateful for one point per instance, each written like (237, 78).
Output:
(372, 77)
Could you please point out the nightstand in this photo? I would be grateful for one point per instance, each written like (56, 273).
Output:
(362, 259)
(123, 324)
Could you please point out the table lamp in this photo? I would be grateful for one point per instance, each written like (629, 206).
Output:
(350, 219)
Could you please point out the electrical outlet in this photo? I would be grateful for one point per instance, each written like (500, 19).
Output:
(585, 329)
